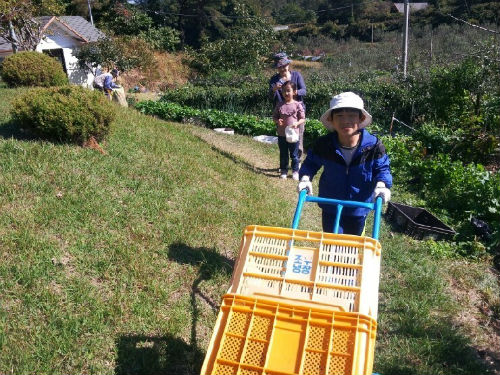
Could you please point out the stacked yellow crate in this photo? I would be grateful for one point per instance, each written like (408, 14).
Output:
(300, 302)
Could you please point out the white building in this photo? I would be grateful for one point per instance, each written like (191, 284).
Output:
(413, 7)
(61, 37)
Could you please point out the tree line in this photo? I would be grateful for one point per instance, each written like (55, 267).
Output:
(193, 23)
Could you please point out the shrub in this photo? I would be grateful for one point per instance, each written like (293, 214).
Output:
(66, 113)
(135, 54)
(333, 30)
(470, 143)
(293, 13)
(32, 69)
(308, 30)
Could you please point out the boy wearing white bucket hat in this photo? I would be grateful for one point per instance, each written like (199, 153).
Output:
(355, 164)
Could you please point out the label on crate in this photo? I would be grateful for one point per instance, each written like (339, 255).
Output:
(300, 263)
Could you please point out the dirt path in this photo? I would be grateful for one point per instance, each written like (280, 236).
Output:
(263, 159)
(235, 146)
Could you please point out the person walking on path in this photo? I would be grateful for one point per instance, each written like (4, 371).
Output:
(355, 164)
(284, 74)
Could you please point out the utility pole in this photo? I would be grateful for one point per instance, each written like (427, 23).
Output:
(405, 37)
(90, 13)
(431, 44)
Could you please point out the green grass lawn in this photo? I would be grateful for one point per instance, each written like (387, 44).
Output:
(116, 263)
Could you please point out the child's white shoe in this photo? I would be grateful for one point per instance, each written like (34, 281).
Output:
(295, 176)
(283, 176)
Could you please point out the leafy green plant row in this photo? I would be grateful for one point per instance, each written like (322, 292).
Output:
(212, 118)
(382, 98)
(455, 190)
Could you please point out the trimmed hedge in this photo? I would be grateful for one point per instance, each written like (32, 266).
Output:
(31, 68)
(65, 113)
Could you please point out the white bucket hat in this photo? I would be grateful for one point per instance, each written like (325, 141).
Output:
(346, 100)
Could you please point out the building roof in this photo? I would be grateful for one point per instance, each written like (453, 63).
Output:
(75, 26)
(413, 6)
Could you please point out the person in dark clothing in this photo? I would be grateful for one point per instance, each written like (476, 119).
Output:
(284, 74)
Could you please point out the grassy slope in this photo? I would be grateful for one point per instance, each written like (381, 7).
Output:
(116, 263)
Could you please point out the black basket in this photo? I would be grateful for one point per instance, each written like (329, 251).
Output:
(418, 222)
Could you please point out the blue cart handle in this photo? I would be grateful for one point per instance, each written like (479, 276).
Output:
(303, 197)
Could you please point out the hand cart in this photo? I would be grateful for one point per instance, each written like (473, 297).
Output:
(300, 302)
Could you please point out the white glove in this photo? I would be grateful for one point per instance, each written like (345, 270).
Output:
(305, 183)
(382, 191)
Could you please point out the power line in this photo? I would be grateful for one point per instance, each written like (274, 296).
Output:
(242, 17)
(471, 24)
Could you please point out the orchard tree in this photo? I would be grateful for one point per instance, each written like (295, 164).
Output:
(102, 53)
(129, 20)
(18, 24)
(246, 46)
(123, 53)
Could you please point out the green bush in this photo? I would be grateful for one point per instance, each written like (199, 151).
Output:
(66, 113)
(469, 144)
(128, 20)
(32, 69)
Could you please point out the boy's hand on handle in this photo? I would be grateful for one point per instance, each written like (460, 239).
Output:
(281, 122)
(382, 191)
(305, 183)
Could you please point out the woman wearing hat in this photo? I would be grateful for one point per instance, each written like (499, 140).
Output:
(355, 164)
(284, 74)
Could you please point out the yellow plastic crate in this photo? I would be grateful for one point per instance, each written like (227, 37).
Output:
(265, 337)
(316, 268)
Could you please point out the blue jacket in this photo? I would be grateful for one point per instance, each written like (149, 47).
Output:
(108, 82)
(369, 165)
